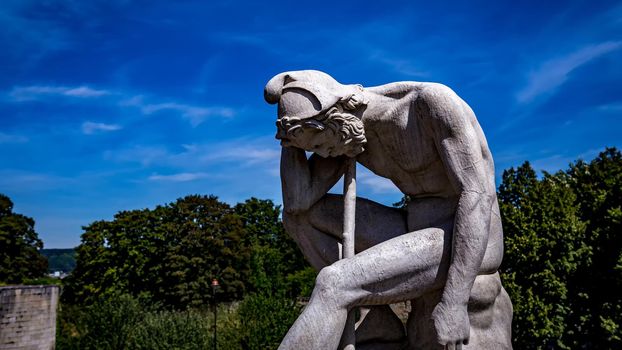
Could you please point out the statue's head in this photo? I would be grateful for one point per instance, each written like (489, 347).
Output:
(317, 114)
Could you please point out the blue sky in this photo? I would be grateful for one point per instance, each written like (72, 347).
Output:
(116, 105)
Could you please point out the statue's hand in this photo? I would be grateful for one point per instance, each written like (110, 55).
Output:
(452, 325)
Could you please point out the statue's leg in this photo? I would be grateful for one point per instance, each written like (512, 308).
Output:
(402, 268)
(421, 331)
(490, 316)
(318, 232)
(380, 329)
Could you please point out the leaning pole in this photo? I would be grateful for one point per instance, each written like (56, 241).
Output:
(349, 211)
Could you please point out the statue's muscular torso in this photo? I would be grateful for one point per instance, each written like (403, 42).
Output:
(402, 147)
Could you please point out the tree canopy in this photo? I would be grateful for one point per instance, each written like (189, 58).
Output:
(277, 265)
(563, 256)
(170, 254)
(20, 244)
(598, 283)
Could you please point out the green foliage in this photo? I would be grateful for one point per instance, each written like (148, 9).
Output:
(544, 245)
(301, 282)
(265, 320)
(170, 254)
(277, 266)
(68, 320)
(107, 324)
(122, 322)
(19, 256)
(167, 255)
(563, 253)
(45, 280)
(598, 307)
(172, 330)
(63, 260)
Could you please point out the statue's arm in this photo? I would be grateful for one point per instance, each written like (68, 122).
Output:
(460, 149)
(304, 181)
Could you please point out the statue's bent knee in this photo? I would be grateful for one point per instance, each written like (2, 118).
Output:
(329, 286)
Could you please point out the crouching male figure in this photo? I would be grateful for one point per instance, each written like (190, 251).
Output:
(442, 252)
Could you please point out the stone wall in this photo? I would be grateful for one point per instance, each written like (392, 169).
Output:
(28, 317)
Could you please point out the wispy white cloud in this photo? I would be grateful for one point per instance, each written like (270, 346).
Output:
(611, 107)
(35, 92)
(85, 91)
(196, 115)
(553, 73)
(404, 67)
(262, 154)
(551, 163)
(144, 155)
(8, 138)
(26, 181)
(89, 128)
(180, 177)
(556, 162)
(27, 39)
(250, 154)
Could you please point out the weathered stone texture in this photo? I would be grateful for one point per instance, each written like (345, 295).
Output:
(28, 317)
(441, 251)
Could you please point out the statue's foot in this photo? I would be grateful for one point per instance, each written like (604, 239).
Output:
(380, 329)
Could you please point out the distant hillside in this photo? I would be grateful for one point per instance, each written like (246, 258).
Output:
(63, 260)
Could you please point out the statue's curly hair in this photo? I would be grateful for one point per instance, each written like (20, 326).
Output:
(339, 119)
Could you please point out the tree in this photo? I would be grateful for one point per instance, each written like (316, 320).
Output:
(563, 262)
(20, 244)
(277, 265)
(545, 245)
(598, 315)
(167, 255)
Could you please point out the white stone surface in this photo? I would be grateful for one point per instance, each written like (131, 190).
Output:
(441, 252)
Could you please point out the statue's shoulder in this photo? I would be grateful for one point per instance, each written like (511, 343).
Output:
(414, 89)
(396, 90)
(432, 91)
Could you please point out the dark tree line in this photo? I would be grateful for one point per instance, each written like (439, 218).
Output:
(62, 260)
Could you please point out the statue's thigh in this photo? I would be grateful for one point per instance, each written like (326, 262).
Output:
(399, 269)
(318, 231)
(375, 223)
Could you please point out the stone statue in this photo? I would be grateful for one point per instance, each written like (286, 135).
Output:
(441, 252)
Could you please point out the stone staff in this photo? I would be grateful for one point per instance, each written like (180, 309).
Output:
(349, 212)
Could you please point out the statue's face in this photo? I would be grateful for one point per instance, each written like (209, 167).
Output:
(323, 141)
(331, 134)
